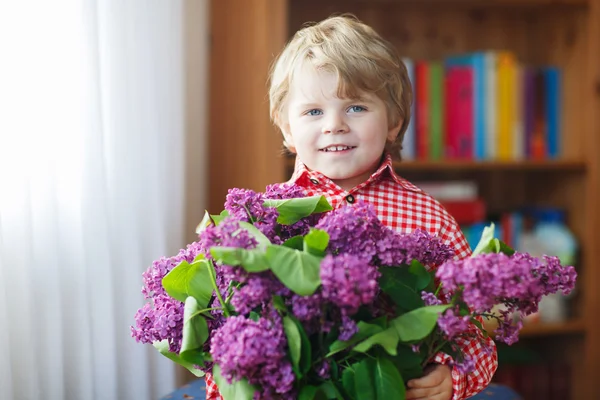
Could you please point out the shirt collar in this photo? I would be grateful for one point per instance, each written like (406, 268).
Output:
(385, 170)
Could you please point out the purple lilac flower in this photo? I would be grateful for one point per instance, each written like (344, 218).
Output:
(258, 290)
(254, 350)
(348, 327)
(508, 331)
(518, 281)
(248, 206)
(348, 281)
(227, 234)
(397, 249)
(308, 310)
(160, 320)
(162, 317)
(453, 325)
(430, 299)
(354, 230)
(324, 370)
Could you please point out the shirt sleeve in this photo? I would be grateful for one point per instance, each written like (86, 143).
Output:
(482, 350)
(212, 391)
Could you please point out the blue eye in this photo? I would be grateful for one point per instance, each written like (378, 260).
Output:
(356, 109)
(314, 112)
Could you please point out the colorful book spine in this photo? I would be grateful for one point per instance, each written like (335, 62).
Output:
(477, 62)
(505, 108)
(436, 111)
(490, 108)
(529, 109)
(552, 79)
(538, 137)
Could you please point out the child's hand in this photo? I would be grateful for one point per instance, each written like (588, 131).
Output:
(436, 384)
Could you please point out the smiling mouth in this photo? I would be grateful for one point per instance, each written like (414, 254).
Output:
(336, 148)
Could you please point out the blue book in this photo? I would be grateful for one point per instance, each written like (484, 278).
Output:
(478, 63)
(552, 83)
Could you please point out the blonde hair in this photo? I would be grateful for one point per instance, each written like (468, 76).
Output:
(361, 59)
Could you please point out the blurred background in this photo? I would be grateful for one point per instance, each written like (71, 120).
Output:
(122, 121)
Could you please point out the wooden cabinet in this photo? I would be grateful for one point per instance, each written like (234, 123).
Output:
(245, 148)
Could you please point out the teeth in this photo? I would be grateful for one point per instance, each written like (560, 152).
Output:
(337, 148)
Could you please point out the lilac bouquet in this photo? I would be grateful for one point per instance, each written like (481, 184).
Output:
(283, 297)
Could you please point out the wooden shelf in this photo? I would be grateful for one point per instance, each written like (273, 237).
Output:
(486, 3)
(473, 3)
(455, 165)
(553, 329)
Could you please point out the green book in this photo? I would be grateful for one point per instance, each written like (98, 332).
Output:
(436, 110)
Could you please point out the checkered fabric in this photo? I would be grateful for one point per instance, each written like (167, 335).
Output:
(404, 207)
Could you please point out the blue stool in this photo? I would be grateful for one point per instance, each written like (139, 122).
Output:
(495, 391)
(195, 390)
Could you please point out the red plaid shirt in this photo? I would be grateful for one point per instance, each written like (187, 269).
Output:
(404, 207)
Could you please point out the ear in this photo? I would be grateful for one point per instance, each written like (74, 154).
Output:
(394, 131)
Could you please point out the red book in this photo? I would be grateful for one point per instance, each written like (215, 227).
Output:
(466, 212)
(459, 120)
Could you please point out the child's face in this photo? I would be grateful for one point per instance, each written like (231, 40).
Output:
(341, 138)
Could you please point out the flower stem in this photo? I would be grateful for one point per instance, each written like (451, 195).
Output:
(203, 311)
(213, 278)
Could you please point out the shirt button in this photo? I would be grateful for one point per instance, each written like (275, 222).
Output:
(314, 181)
(350, 199)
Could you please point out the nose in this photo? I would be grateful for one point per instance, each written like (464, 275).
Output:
(335, 123)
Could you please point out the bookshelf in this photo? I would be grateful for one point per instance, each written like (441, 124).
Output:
(245, 149)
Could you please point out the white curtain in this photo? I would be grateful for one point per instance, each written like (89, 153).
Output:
(92, 189)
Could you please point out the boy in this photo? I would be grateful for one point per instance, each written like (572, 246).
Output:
(341, 96)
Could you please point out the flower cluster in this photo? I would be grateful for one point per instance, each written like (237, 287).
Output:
(281, 296)
(256, 351)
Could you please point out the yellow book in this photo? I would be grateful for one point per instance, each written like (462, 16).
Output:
(505, 114)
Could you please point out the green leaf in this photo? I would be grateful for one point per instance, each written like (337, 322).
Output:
(292, 210)
(308, 392)
(330, 391)
(254, 316)
(388, 339)
(190, 280)
(208, 220)
(296, 242)
(504, 248)
(364, 386)
(195, 333)
(260, 237)
(348, 377)
(252, 260)
(238, 390)
(406, 358)
(163, 348)
(417, 324)
(484, 245)
(297, 270)
(305, 347)
(294, 343)
(388, 381)
(365, 330)
(420, 272)
(316, 241)
(478, 324)
(400, 284)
